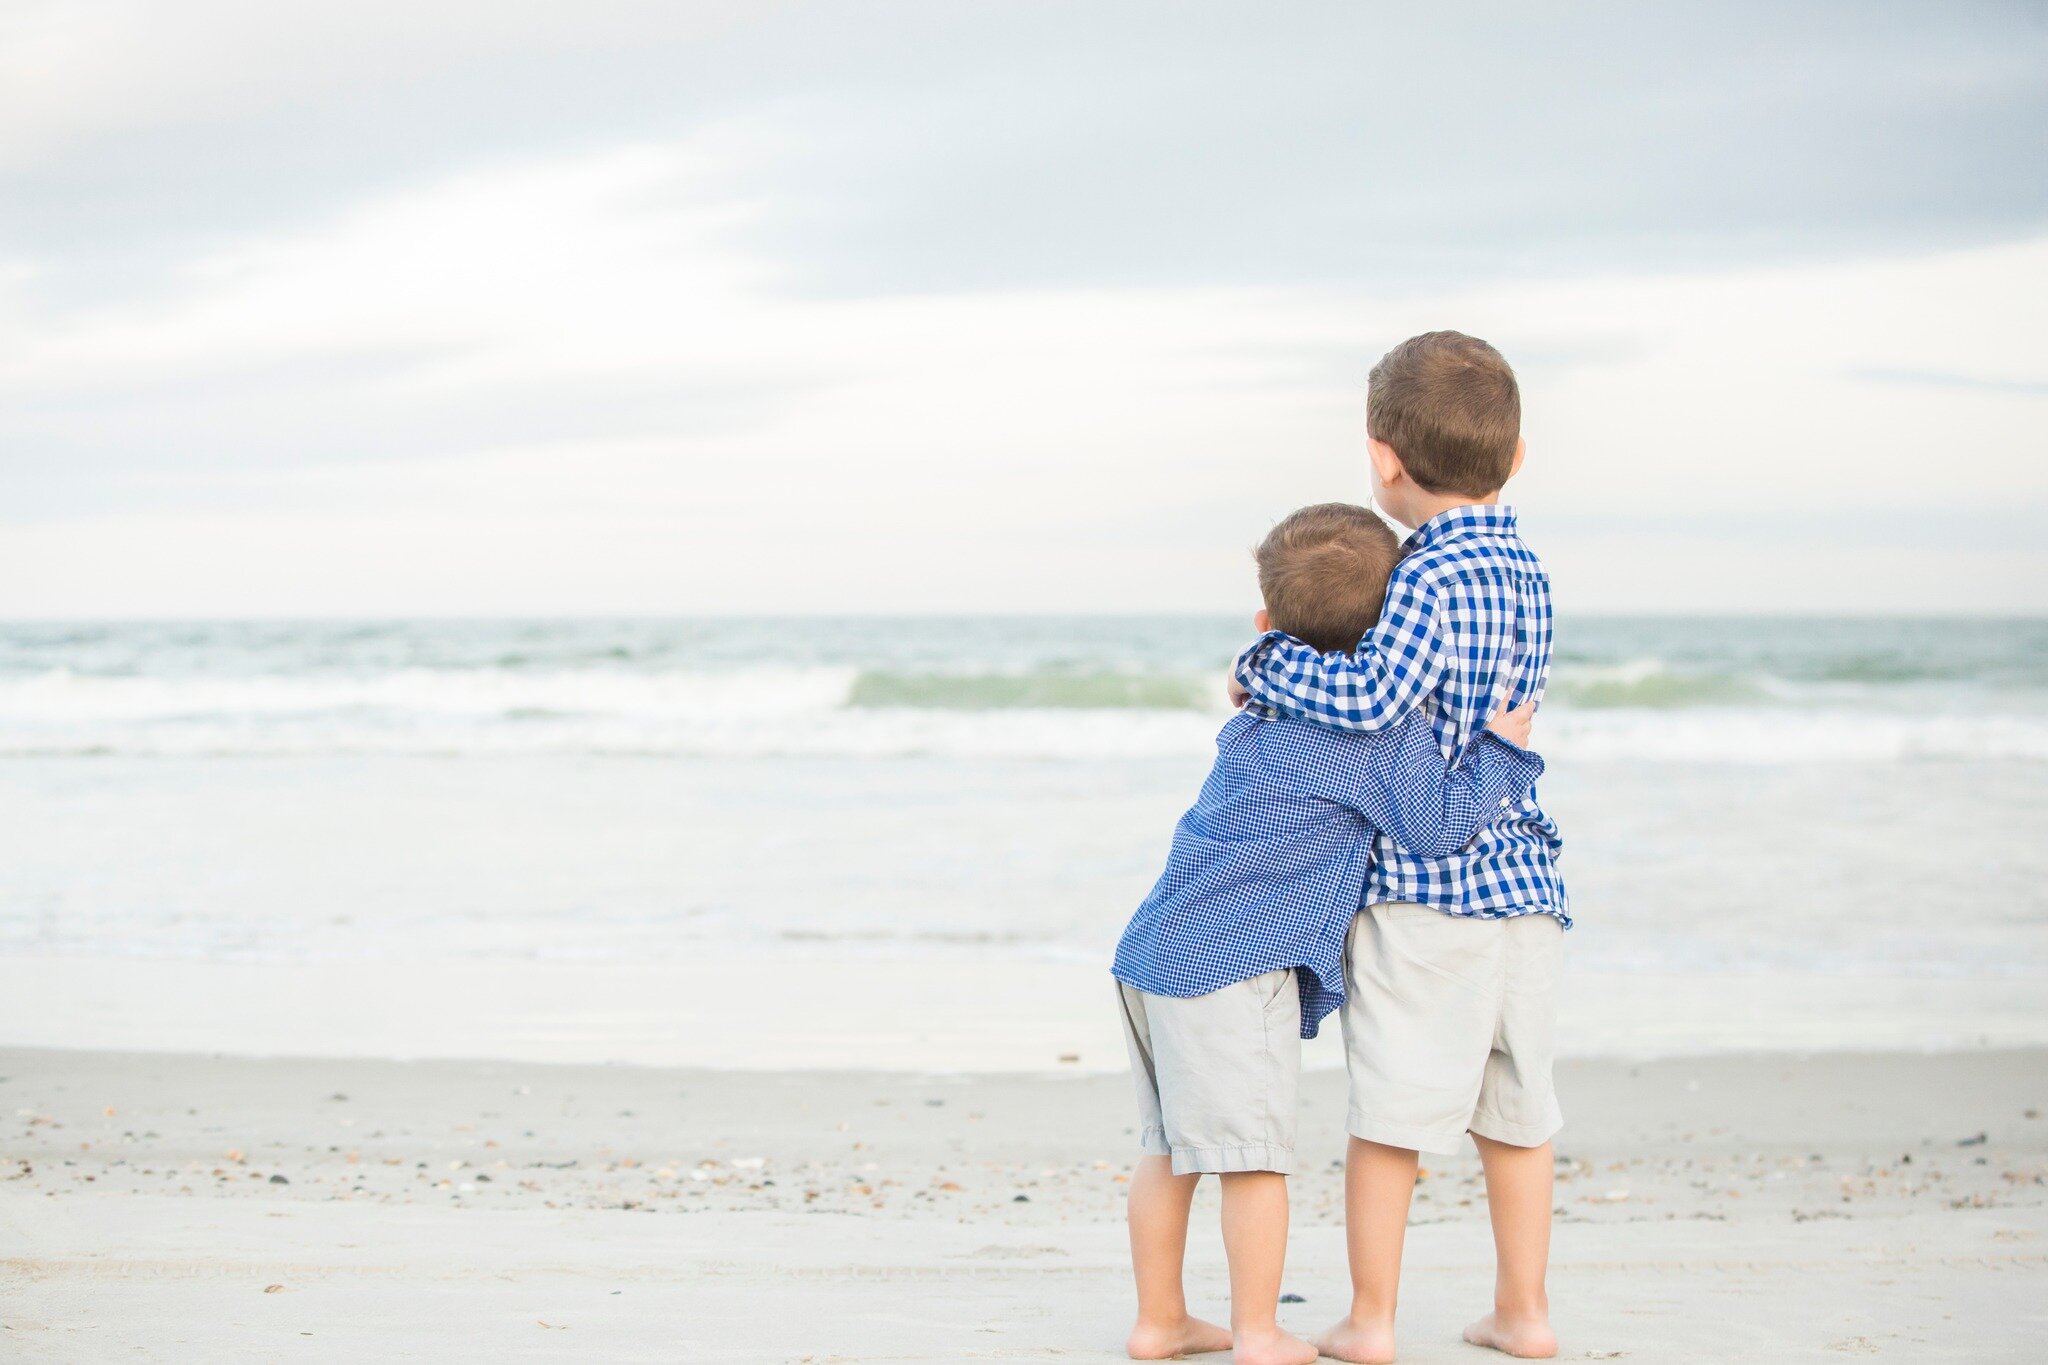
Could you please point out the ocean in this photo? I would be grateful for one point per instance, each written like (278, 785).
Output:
(1766, 692)
(1842, 797)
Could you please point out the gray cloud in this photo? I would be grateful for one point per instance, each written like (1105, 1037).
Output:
(189, 443)
(932, 146)
(1415, 147)
(1347, 153)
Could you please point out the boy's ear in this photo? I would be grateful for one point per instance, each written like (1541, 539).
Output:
(1385, 462)
(1521, 453)
(1262, 621)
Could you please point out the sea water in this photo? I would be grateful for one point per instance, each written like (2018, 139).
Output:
(1839, 796)
(1764, 692)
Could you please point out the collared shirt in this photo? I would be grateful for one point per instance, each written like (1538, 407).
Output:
(1267, 867)
(1466, 627)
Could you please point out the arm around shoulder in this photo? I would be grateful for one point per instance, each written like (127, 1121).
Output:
(1394, 668)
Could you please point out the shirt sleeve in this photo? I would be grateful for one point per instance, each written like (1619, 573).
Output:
(1532, 639)
(1404, 790)
(1394, 668)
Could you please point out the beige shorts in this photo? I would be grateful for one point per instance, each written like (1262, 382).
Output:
(1448, 1027)
(1217, 1074)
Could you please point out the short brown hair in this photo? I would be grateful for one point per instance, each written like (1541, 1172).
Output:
(1323, 572)
(1449, 406)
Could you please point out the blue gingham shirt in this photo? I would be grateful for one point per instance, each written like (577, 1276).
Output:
(1466, 627)
(1267, 868)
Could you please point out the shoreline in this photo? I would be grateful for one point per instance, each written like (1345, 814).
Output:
(795, 1011)
(1755, 1208)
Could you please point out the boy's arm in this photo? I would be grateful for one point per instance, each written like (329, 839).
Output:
(1394, 667)
(1403, 789)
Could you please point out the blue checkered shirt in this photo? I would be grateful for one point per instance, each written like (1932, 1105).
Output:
(1267, 868)
(1465, 627)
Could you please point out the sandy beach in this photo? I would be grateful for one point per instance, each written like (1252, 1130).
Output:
(179, 1207)
(501, 1045)
(607, 612)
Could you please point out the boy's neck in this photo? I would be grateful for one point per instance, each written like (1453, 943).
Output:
(1426, 507)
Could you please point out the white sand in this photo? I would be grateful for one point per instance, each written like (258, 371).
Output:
(154, 1279)
(1757, 1209)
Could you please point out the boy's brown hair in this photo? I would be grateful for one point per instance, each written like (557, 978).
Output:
(1323, 572)
(1449, 406)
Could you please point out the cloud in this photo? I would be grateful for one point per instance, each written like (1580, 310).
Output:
(1052, 306)
(499, 305)
(928, 146)
(572, 383)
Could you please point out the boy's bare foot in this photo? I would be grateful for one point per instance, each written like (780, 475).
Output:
(1172, 1340)
(1364, 1343)
(1280, 1348)
(1530, 1338)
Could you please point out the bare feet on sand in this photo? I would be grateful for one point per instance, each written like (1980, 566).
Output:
(1363, 1343)
(1172, 1340)
(1280, 1348)
(1530, 1337)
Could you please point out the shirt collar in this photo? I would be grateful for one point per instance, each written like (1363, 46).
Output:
(1459, 522)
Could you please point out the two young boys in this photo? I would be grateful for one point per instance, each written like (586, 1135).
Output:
(1365, 843)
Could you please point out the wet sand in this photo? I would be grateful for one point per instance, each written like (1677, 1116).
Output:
(178, 1207)
(739, 1010)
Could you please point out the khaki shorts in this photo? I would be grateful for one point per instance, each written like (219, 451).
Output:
(1448, 1027)
(1217, 1074)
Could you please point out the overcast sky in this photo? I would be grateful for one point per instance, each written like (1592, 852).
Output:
(446, 307)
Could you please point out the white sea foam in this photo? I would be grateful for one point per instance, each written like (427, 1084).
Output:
(813, 712)
(1746, 692)
(1743, 735)
(1853, 892)
(60, 696)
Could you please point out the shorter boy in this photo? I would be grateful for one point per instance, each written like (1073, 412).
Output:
(1236, 955)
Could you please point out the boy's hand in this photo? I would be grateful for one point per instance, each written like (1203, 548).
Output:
(1235, 691)
(1513, 726)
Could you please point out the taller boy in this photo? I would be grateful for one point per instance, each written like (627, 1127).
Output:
(1451, 962)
